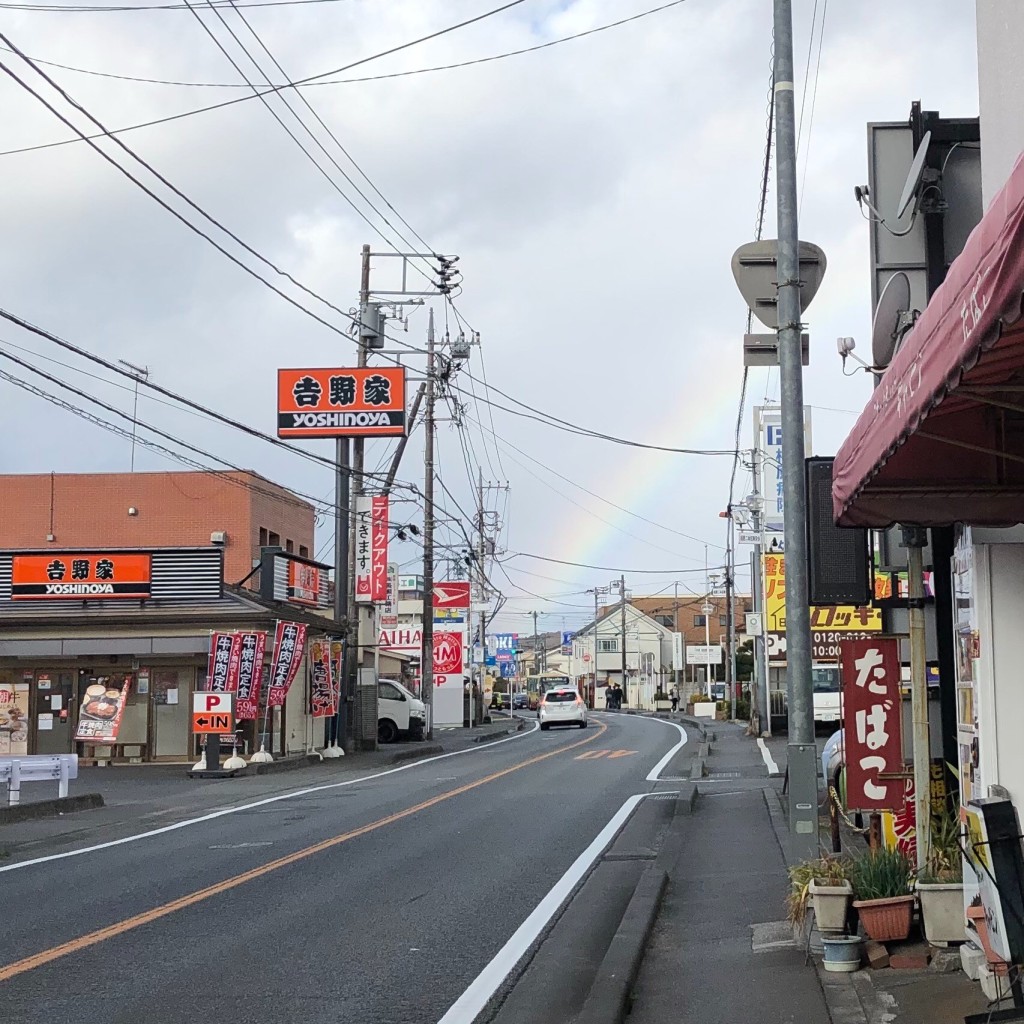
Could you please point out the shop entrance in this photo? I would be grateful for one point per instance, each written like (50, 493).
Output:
(53, 715)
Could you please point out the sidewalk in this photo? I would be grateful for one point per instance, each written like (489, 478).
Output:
(721, 949)
(149, 796)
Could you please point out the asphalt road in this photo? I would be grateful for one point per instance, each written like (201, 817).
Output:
(375, 900)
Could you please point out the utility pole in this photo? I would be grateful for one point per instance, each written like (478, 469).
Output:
(914, 537)
(622, 593)
(730, 621)
(338, 727)
(802, 754)
(480, 559)
(139, 373)
(536, 645)
(427, 654)
(675, 625)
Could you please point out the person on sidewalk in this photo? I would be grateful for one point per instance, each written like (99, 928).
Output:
(674, 694)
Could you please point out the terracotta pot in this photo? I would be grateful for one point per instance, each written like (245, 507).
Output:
(886, 920)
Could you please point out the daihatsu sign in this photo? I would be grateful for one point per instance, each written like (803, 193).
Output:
(401, 638)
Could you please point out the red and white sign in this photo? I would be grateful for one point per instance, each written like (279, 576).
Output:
(289, 644)
(250, 675)
(401, 638)
(872, 723)
(213, 712)
(224, 661)
(448, 659)
(379, 549)
(451, 595)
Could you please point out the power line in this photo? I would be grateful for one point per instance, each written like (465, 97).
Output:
(608, 568)
(97, 8)
(814, 100)
(274, 88)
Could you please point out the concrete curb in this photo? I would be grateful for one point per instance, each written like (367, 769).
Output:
(698, 766)
(422, 750)
(289, 764)
(50, 808)
(686, 802)
(609, 999)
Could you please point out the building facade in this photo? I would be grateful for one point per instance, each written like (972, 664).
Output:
(240, 512)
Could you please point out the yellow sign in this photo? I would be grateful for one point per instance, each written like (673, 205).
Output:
(839, 618)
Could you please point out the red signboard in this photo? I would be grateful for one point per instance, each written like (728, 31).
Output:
(80, 575)
(305, 583)
(872, 724)
(447, 657)
(250, 675)
(349, 402)
(379, 549)
(451, 595)
(223, 663)
(322, 699)
(289, 643)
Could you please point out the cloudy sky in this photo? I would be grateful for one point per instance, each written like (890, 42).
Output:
(594, 190)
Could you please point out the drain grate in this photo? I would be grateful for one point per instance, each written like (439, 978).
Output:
(724, 775)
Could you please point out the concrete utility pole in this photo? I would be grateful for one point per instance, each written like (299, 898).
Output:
(342, 499)
(536, 644)
(675, 625)
(480, 564)
(427, 654)
(802, 754)
(622, 592)
(730, 621)
(914, 538)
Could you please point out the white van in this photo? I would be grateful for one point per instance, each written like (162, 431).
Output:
(399, 713)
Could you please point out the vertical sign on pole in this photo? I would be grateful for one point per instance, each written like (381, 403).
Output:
(364, 548)
(379, 548)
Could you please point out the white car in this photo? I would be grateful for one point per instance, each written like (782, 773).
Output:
(399, 712)
(562, 706)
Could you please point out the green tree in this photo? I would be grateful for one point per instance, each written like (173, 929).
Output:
(745, 661)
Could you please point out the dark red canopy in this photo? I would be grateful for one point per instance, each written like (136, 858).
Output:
(942, 438)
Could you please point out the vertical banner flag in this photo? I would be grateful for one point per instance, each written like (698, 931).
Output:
(322, 690)
(872, 723)
(250, 675)
(224, 651)
(379, 548)
(289, 643)
(364, 548)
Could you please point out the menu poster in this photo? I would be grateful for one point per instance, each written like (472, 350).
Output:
(13, 718)
(289, 644)
(99, 717)
(323, 700)
(250, 675)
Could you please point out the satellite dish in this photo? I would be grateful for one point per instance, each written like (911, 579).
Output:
(914, 177)
(889, 321)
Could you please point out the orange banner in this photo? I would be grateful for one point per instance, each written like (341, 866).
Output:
(80, 575)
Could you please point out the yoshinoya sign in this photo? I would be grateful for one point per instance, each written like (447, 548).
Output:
(78, 575)
(348, 402)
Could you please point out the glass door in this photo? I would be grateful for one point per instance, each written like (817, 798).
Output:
(172, 696)
(54, 700)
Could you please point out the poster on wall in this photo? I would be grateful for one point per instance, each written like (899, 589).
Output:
(99, 718)
(13, 718)
(323, 694)
(289, 644)
(250, 675)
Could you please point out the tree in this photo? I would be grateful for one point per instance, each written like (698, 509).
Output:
(745, 661)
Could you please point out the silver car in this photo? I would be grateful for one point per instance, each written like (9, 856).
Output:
(562, 706)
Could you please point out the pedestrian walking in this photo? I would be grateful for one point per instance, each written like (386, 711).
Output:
(674, 694)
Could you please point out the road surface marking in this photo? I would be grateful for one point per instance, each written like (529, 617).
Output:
(111, 931)
(773, 768)
(620, 753)
(593, 755)
(257, 803)
(655, 773)
(468, 1006)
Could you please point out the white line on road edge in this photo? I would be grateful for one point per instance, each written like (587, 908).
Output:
(655, 773)
(773, 768)
(468, 1006)
(257, 803)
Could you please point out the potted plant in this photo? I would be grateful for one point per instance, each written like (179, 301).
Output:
(823, 883)
(662, 701)
(842, 952)
(882, 893)
(941, 884)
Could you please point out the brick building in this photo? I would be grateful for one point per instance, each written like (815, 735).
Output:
(155, 510)
(690, 621)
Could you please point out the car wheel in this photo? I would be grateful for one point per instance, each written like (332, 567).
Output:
(545, 726)
(583, 724)
(387, 731)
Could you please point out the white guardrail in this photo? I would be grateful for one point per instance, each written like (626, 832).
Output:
(19, 768)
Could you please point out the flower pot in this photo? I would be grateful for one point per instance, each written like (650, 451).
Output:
(831, 903)
(942, 911)
(842, 952)
(886, 920)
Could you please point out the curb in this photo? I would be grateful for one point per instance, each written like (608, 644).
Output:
(425, 750)
(609, 999)
(50, 808)
(686, 802)
(697, 769)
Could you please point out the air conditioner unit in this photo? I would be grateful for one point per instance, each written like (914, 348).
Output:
(218, 537)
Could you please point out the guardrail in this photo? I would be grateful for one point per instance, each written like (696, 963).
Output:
(16, 769)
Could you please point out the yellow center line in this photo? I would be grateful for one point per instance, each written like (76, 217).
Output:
(46, 956)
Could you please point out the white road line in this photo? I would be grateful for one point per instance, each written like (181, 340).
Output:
(655, 773)
(468, 1006)
(766, 754)
(257, 803)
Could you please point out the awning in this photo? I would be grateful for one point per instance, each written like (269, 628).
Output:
(942, 438)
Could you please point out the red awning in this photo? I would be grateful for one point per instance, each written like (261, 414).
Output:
(942, 438)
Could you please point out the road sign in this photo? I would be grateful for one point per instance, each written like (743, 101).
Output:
(754, 266)
(451, 595)
(213, 712)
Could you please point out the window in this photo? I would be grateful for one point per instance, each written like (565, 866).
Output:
(263, 536)
(699, 620)
(608, 646)
(664, 620)
(560, 696)
(289, 546)
(722, 620)
(303, 551)
(388, 691)
(274, 540)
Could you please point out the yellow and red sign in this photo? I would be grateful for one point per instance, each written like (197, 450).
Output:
(367, 401)
(836, 618)
(80, 575)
